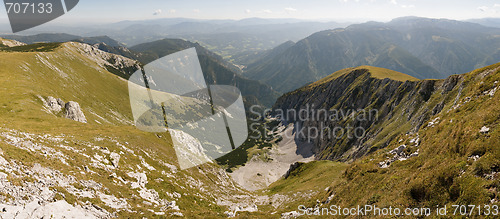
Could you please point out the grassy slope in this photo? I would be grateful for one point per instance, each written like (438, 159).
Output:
(442, 174)
(23, 76)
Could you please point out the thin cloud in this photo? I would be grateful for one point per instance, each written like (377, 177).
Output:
(394, 2)
(290, 10)
(483, 8)
(248, 11)
(196, 10)
(487, 9)
(267, 11)
(407, 6)
(172, 11)
(157, 12)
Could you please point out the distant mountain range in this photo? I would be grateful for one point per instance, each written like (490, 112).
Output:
(420, 47)
(489, 22)
(215, 68)
(225, 37)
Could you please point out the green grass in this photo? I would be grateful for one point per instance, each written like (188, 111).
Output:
(72, 76)
(375, 72)
(442, 174)
(316, 175)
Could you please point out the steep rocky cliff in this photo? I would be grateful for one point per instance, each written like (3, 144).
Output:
(435, 143)
(374, 104)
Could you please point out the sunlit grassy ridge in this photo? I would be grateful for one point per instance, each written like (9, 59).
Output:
(375, 72)
(37, 47)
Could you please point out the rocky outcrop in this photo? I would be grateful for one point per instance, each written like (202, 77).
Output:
(71, 109)
(484, 130)
(293, 167)
(55, 105)
(116, 64)
(375, 106)
(11, 43)
(74, 112)
(115, 159)
(58, 209)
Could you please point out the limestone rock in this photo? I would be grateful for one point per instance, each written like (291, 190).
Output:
(58, 209)
(292, 168)
(398, 150)
(484, 130)
(115, 159)
(74, 112)
(291, 214)
(55, 105)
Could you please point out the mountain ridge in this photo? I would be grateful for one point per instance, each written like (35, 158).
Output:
(103, 168)
(355, 89)
(436, 143)
(423, 48)
(375, 72)
(215, 69)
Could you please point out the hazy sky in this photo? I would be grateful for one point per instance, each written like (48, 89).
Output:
(340, 10)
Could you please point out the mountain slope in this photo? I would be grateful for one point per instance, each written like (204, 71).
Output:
(420, 47)
(214, 66)
(259, 56)
(103, 43)
(357, 92)
(489, 22)
(438, 143)
(103, 168)
(215, 69)
(329, 51)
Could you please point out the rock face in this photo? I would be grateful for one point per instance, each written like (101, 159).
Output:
(353, 95)
(11, 43)
(55, 105)
(484, 130)
(115, 159)
(59, 209)
(108, 60)
(259, 173)
(74, 112)
(293, 167)
(71, 109)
